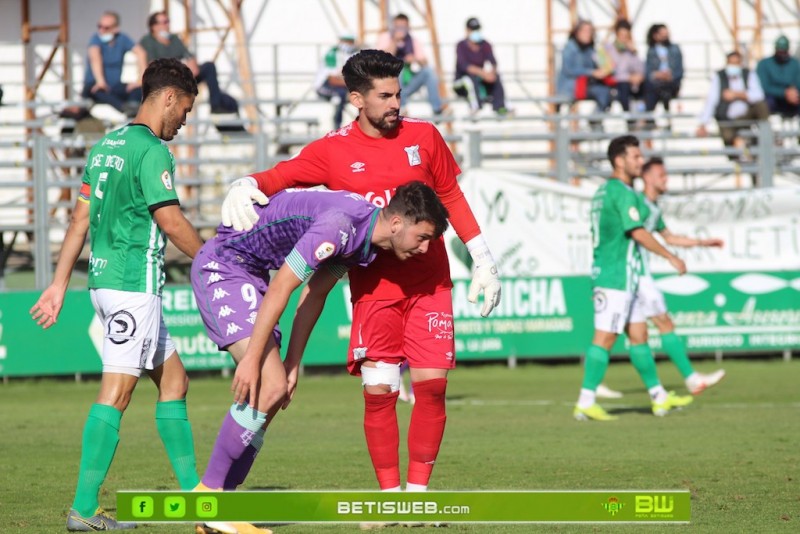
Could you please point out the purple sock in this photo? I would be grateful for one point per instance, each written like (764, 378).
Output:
(240, 469)
(231, 443)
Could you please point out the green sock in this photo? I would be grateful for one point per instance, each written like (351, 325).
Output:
(100, 438)
(676, 351)
(176, 434)
(595, 367)
(642, 360)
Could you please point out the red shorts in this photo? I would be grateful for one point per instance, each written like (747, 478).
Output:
(418, 328)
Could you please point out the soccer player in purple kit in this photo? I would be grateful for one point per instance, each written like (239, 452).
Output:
(297, 232)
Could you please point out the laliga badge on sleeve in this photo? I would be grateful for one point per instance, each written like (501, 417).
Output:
(325, 250)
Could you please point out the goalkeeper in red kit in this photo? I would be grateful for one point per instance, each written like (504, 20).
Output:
(401, 310)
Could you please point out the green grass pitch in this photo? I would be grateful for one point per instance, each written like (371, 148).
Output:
(737, 448)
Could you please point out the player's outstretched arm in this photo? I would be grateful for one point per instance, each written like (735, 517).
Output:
(45, 311)
(309, 308)
(485, 277)
(646, 239)
(178, 229)
(237, 208)
(685, 241)
(248, 371)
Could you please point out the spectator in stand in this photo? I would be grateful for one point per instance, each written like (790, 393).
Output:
(663, 69)
(735, 95)
(160, 43)
(330, 82)
(628, 67)
(779, 75)
(416, 71)
(105, 60)
(477, 78)
(581, 77)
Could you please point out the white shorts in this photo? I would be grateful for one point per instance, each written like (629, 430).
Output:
(648, 301)
(135, 337)
(612, 308)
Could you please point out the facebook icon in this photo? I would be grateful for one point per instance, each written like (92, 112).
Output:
(142, 507)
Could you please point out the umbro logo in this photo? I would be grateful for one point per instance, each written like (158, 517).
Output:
(358, 166)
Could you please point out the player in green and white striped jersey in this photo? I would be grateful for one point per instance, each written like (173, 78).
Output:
(128, 206)
(617, 233)
(652, 304)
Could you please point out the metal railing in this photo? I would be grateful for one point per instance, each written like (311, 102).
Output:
(548, 145)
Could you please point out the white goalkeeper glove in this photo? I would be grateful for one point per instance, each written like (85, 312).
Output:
(237, 208)
(485, 276)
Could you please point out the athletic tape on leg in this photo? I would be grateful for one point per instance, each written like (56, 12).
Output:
(384, 374)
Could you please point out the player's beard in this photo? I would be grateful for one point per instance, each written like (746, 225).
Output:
(383, 124)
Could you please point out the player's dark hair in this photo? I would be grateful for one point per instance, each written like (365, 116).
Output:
(417, 202)
(735, 53)
(401, 16)
(167, 72)
(619, 146)
(652, 162)
(361, 69)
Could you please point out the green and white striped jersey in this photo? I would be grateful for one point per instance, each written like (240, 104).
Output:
(129, 175)
(653, 222)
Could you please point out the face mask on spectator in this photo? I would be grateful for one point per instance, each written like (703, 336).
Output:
(164, 34)
(400, 32)
(347, 48)
(475, 36)
(106, 37)
(733, 71)
(782, 56)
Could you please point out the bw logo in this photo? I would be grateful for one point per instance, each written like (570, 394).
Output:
(659, 504)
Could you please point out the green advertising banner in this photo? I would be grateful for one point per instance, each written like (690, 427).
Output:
(537, 317)
(431, 507)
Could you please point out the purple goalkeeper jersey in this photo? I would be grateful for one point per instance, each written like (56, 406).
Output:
(302, 228)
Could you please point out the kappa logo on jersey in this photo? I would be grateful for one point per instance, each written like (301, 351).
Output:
(232, 329)
(252, 318)
(325, 250)
(121, 328)
(633, 213)
(166, 179)
(219, 293)
(225, 311)
(212, 265)
(358, 166)
(413, 155)
(213, 278)
(344, 237)
(247, 437)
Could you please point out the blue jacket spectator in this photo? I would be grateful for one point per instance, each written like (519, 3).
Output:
(663, 68)
(581, 77)
(105, 61)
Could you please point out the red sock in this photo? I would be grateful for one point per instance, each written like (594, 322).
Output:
(383, 437)
(426, 429)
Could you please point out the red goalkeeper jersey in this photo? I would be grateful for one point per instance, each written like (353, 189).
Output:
(373, 167)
